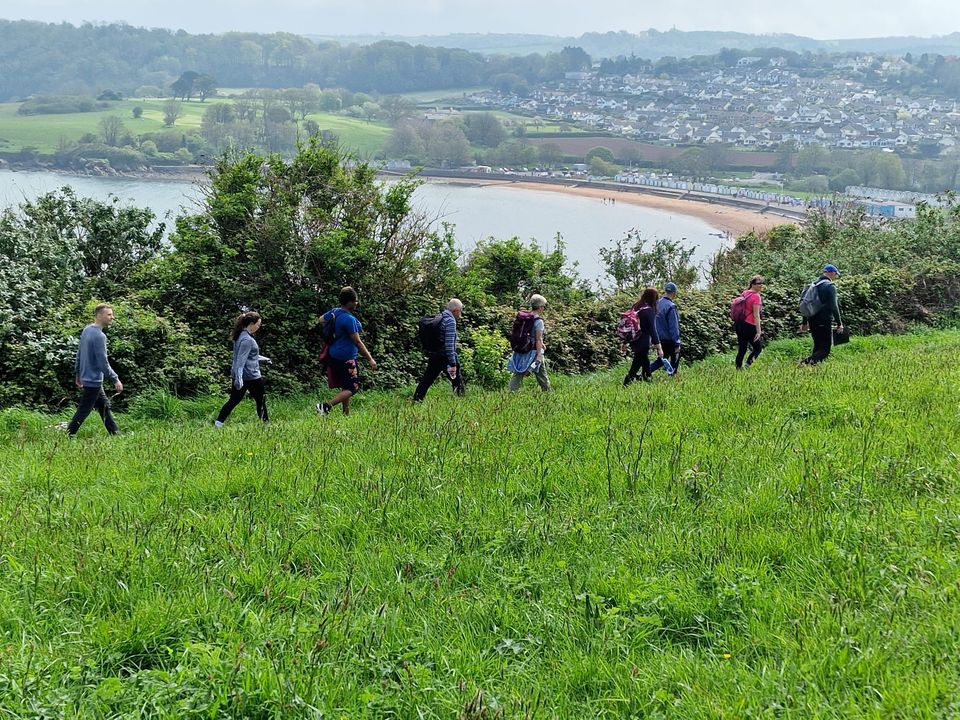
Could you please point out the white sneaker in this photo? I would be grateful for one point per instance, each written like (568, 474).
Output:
(217, 424)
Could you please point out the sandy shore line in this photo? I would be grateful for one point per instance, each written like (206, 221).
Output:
(735, 221)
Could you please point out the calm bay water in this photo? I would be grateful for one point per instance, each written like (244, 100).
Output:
(477, 212)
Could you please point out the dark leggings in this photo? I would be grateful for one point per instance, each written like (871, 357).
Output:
(641, 363)
(256, 392)
(745, 334)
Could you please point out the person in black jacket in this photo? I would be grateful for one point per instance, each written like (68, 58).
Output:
(820, 324)
(444, 361)
(646, 309)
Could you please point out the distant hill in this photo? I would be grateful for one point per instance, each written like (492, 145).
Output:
(654, 44)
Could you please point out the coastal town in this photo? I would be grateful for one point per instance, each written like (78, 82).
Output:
(756, 103)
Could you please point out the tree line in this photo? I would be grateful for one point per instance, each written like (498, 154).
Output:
(41, 58)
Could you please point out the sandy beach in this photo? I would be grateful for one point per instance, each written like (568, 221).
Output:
(733, 220)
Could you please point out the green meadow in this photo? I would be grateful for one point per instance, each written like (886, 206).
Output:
(780, 542)
(45, 132)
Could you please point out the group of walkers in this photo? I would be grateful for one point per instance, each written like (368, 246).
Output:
(652, 322)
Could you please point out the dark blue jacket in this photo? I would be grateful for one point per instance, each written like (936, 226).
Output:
(668, 320)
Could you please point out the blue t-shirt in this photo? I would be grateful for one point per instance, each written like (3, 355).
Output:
(343, 348)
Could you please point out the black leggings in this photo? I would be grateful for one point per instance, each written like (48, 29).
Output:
(256, 392)
(641, 363)
(745, 339)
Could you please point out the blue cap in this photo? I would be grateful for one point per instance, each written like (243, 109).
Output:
(831, 268)
(670, 287)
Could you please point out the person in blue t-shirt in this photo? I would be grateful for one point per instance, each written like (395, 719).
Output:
(342, 363)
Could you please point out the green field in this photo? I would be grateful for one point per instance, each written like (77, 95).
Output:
(44, 132)
(779, 542)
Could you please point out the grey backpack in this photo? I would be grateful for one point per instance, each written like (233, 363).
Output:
(810, 302)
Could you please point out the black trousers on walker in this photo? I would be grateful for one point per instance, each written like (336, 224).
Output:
(437, 365)
(257, 392)
(93, 398)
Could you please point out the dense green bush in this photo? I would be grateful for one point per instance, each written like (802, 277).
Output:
(62, 255)
(282, 237)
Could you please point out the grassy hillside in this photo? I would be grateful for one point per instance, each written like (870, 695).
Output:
(44, 132)
(778, 542)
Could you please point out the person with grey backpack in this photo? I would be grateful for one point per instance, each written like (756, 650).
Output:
(819, 306)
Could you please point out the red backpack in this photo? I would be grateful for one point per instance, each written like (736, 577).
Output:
(739, 309)
(629, 326)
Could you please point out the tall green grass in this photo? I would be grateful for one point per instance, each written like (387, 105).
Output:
(779, 542)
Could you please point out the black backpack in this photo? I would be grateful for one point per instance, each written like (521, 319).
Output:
(328, 336)
(430, 330)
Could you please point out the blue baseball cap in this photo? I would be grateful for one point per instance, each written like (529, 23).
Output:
(831, 268)
(670, 287)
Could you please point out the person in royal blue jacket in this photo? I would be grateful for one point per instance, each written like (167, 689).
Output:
(668, 328)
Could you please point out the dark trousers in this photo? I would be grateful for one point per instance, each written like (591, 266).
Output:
(93, 398)
(822, 335)
(671, 351)
(641, 363)
(257, 392)
(745, 334)
(437, 365)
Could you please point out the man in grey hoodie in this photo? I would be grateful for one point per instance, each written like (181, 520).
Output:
(91, 366)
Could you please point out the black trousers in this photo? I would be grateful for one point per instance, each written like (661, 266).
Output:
(822, 335)
(93, 398)
(745, 334)
(437, 365)
(671, 351)
(641, 363)
(257, 392)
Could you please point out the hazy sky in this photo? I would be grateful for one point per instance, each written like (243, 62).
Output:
(814, 18)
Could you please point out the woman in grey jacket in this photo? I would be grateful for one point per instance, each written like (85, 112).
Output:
(245, 372)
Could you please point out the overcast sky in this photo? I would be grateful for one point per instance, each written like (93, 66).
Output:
(824, 19)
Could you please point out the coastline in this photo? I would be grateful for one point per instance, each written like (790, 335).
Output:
(730, 220)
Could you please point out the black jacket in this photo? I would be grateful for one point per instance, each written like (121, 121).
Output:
(830, 307)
